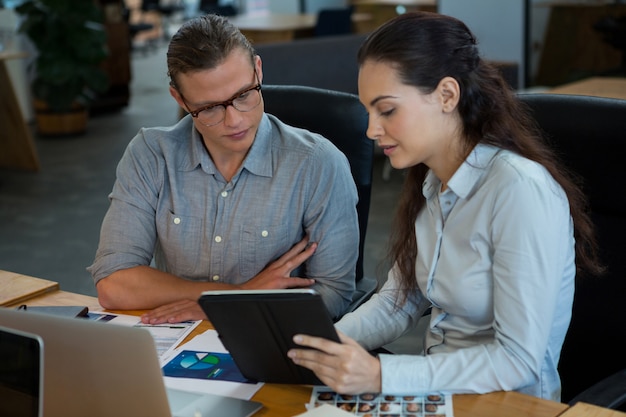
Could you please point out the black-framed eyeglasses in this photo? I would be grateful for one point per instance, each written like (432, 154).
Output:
(213, 114)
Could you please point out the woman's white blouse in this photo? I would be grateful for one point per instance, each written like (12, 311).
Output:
(496, 262)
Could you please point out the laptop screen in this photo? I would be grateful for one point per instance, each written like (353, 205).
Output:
(20, 373)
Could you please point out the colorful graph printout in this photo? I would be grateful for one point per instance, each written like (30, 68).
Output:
(204, 365)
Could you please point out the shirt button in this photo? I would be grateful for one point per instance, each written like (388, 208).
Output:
(176, 220)
(218, 239)
(215, 277)
(224, 193)
(264, 233)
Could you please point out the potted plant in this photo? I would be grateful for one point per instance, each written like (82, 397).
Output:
(71, 44)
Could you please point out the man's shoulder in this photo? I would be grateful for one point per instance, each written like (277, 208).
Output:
(162, 140)
(289, 138)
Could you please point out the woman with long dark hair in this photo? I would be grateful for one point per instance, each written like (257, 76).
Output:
(490, 230)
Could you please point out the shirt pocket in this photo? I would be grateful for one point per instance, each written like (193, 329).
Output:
(262, 243)
(181, 240)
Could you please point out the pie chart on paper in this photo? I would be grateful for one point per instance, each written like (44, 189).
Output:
(199, 361)
(205, 366)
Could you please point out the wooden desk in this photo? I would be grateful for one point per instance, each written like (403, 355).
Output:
(612, 87)
(588, 410)
(509, 404)
(289, 400)
(16, 288)
(394, 3)
(61, 298)
(383, 10)
(17, 149)
(274, 27)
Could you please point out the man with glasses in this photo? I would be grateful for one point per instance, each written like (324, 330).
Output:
(228, 198)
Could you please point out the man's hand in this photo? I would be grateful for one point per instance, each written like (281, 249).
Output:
(175, 312)
(276, 274)
(345, 367)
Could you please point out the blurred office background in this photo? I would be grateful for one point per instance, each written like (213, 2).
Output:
(50, 219)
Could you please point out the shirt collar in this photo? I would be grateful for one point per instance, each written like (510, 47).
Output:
(465, 179)
(259, 158)
(258, 161)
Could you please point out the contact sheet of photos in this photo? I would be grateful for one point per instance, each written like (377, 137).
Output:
(385, 405)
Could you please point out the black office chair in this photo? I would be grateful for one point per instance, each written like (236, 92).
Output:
(333, 22)
(342, 119)
(166, 10)
(213, 7)
(135, 29)
(589, 133)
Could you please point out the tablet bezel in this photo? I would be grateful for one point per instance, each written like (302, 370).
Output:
(257, 329)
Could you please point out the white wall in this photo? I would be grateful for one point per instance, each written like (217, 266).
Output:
(499, 26)
(539, 19)
(284, 6)
(311, 6)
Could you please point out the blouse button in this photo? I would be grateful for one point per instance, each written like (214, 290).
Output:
(264, 233)
(218, 239)
(224, 193)
(215, 277)
(176, 220)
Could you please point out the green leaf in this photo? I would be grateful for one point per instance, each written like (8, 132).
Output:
(72, 44)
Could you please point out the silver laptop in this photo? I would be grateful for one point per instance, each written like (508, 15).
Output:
(106, 370)
(21, 373)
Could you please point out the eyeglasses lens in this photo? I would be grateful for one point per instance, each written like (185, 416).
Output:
(245, 102)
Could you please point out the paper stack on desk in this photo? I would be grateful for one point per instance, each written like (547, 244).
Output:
(166, 336)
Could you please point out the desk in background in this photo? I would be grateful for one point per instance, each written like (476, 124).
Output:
(383, 10)
(288, 400)
(17, 149)
(275, 27)
(611, 87)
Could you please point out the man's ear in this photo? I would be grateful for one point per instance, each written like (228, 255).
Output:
(174, 93)
(449, 93)
(258, 66)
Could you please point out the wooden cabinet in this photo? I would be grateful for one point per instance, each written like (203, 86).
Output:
(573, 49)
(117, 65)
(17, 149)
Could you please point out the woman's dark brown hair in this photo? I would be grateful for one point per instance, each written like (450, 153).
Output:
(426, 47)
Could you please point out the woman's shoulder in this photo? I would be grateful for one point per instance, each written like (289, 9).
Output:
(510, 165)
(510, 169)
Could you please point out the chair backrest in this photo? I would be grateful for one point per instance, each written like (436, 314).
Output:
(213, 7)
(150, 5)
(327, 62)
(333, 22)
(342, 119)
(589, 134)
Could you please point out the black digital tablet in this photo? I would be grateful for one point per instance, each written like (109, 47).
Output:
(257, 328)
